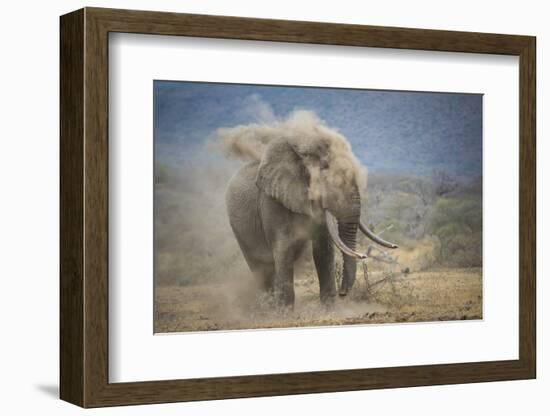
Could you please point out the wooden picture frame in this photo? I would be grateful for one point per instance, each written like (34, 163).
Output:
(84, 207)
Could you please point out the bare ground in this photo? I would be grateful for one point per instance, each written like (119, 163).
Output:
(434, 295)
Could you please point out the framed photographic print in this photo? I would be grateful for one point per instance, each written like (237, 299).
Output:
(255, 207)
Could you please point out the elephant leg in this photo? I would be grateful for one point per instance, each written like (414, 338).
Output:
(283, 288)
(323, 257)
(262, 270)
(265, 275)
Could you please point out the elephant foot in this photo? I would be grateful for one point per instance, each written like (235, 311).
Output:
(284, 298)
(265, 300)
(328, 302)
(284, 310)
(328, 299)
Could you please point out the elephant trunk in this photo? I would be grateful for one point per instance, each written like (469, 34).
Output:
(343, 231)
(347, 229)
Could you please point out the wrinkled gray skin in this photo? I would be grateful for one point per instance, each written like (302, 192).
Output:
(273, 218)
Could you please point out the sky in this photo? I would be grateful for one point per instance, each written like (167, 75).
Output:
(392, 132)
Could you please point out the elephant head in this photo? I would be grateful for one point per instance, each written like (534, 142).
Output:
(314, 173)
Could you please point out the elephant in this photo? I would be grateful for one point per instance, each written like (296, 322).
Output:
(303, 187)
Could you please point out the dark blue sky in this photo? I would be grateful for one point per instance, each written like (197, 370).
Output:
(390, 131)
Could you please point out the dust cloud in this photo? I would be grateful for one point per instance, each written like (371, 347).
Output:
(310, 138)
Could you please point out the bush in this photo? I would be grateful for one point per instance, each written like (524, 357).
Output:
(418, 211)
(457, 223)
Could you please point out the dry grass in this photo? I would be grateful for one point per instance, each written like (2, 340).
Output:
(434, 295)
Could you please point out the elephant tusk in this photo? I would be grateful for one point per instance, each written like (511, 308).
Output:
(332, 226)
(374, 237)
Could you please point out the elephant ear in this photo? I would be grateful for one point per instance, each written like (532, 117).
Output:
(283, 176)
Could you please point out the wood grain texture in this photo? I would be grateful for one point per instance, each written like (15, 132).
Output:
(226, 27)
(528, 208)
(96, 219)
(84, 207)
(71, 208)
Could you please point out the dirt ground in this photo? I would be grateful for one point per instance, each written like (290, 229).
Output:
(434, 295)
